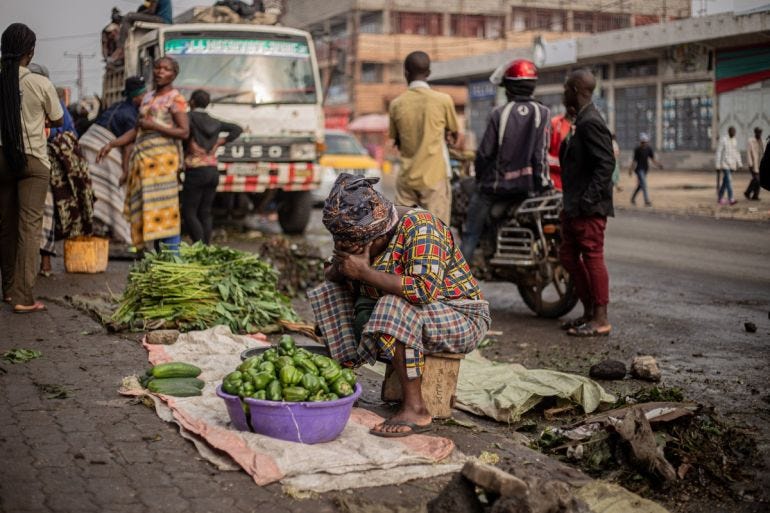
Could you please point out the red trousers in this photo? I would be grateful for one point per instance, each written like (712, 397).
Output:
(582, 255)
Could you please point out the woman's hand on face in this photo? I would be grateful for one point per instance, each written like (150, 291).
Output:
(353, 265)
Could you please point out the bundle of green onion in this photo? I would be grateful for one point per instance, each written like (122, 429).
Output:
(203, 286)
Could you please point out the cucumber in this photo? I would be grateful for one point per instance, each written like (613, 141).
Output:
(195, 382)
(161, 386)
(175, 370)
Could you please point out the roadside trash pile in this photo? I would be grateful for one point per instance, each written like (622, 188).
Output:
(202, 286)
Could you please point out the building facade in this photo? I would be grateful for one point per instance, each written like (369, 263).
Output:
(361, 44)
(683, 82)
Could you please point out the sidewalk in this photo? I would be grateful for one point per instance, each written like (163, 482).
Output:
(693, 193)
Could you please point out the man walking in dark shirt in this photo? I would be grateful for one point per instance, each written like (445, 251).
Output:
(643, 154)
(587, 162)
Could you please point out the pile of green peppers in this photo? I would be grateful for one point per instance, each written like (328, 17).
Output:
(290, 373)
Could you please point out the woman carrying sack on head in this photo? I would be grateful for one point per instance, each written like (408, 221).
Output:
(28, 103)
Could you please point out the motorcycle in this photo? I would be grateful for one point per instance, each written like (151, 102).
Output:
(520, 244)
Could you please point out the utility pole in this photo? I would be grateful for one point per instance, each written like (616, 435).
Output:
(79, 81)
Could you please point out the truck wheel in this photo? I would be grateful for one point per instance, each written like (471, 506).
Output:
(294, 211)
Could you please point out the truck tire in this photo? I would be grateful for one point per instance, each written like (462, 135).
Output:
(294, 211)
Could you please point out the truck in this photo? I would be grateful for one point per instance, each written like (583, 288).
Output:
(265, 78)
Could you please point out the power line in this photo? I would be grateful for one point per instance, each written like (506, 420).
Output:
(73, 36)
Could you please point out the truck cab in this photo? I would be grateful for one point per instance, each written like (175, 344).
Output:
(265, 79)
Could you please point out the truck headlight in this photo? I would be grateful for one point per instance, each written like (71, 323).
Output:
(302, 151)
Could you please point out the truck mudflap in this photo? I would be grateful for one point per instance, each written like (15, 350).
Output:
(262, 176)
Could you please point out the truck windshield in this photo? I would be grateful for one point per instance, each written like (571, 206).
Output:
(244, 71)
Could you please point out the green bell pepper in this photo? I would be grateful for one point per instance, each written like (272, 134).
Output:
(261, 379)
(245, 408)
(246, 389)
(287, 343)
(271, 355)
(342, 388)
(311, 383)
(331, 396)
(307, 366)
(274, 390)
(322, 361)
(331, 373)
(324, 384)
(349, 376)
(259, 394)
(318, 396)
(283, 361)
(290, 375)
(250, 363)
(266, 366)
(295, 394)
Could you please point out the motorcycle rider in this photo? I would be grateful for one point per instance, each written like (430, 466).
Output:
(512, 162)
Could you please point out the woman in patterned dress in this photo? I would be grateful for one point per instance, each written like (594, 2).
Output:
(152, 187)
(397, 288)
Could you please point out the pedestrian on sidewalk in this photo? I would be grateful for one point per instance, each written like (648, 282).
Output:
(616, 172)
(114, 122)
(511, 161)
(754, 153)
(587, 163)
(28, 102)
(422, 121)
(152, 187)
(201, 175)
(643, 155)
(728, 159)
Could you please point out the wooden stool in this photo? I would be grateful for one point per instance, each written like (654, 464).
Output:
(439, 383)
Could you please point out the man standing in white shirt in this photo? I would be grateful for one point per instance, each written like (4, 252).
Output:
(728, 160)
(754, 152)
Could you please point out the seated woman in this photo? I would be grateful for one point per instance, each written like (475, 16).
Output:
(397, 288)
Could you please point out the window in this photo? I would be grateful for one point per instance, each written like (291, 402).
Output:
(614, 21)
(635, 109)
(552, 77)
(371, 23)
(428, 24)
(636, 69)
(473, 25)
(583, 21)
(371, 73)
(549, 20)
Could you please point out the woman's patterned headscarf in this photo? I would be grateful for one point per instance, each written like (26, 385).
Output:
(355, 212)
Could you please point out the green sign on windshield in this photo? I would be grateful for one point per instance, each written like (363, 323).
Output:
(199, 46)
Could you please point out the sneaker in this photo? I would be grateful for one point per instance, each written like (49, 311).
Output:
(746, 195)
(733, 201)
(648, 204)
(722, 201)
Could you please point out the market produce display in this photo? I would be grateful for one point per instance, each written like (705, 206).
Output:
(289, 373)
(178, 379)
(201, 287)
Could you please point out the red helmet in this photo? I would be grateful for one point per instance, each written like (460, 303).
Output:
(521, 69)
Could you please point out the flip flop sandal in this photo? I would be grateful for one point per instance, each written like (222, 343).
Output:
(45, 274)
(586, 331)
(574, 323)
(413, 429)
(37, 307)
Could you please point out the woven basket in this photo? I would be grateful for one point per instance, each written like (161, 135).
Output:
(86, 254)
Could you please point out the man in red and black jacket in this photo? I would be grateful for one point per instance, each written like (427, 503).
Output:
(512, 159)
(587, 163)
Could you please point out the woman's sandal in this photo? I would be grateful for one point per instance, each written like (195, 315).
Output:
(573, 323)
(37, 306)
(413, 429)
(586, 330)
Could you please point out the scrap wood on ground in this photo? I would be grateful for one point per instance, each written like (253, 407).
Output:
(658, 449)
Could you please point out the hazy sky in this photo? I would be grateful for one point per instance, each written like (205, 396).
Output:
(72, 26)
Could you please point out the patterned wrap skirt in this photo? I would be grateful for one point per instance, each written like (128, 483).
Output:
(455, 326)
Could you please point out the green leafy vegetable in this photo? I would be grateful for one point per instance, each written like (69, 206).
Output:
(21, 355)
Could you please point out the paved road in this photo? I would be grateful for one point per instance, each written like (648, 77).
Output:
(681, 290)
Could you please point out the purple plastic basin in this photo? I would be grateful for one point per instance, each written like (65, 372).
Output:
(304, 422)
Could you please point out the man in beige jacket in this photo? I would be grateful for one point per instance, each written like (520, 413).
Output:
(421, 122)
(754, 152)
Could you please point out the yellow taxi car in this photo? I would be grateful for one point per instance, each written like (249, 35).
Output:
(344, 154)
